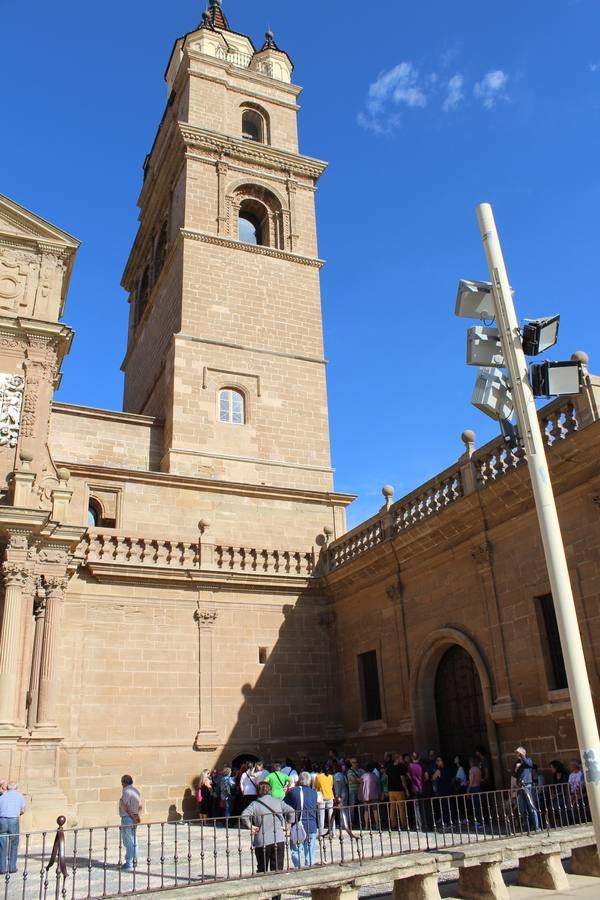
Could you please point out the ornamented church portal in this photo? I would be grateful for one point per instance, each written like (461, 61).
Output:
(459, 705)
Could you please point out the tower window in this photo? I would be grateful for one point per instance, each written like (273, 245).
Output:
(250, 229)
(252, 126)
(369, 686)
(231, 407)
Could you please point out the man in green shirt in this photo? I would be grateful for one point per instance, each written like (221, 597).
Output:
(278, 781)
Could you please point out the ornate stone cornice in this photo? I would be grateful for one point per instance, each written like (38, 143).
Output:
(252, 248)
(260, 154)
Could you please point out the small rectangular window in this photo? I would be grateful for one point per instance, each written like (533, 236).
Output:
(263, 652)
(369, 686)
(555, 664)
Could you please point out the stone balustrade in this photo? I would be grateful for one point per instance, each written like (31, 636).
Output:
(249, 559)
(102, 546)
(560, 420)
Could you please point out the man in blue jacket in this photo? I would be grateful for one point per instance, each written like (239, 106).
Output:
(304, 800)
(524, 775)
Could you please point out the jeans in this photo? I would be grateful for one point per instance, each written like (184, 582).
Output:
(9, 842)
(128, 839)
(309, 851)
(527, 808)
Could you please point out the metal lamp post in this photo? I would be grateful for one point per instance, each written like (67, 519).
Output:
(556, 562)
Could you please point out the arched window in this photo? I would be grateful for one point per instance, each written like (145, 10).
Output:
(94, 513)
(249, 229)
(253, 126)
(231, 407)
(260, 216)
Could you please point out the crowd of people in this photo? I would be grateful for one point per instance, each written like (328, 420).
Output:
(396, 787)
(401, 791)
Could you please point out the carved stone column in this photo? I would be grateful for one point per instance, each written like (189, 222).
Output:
(39, 614)
(55, 593)
(10, 640)
(207, 738)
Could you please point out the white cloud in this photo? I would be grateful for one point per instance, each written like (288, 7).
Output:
(491, 88)
(395, 88)
(454, 93)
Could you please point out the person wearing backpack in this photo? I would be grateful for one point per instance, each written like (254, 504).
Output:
(303, 837)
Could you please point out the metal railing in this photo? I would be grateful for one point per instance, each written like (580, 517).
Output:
(90, 862)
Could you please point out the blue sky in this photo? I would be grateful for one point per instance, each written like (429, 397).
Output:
(423, 111)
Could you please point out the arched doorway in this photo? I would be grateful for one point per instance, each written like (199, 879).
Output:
(459, 705)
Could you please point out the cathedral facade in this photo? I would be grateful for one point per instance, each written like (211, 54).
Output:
(178, 584)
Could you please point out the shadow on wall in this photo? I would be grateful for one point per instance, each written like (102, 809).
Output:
(290, 711)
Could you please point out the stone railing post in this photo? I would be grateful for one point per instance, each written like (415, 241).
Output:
(206, 619)
(14, 574)
(55, 593)
(22, 482)
(61, 497)
(468, 472)
(206, 551)
(587, 402)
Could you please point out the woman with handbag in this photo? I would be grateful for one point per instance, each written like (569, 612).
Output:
(266, 817)
(303, 837)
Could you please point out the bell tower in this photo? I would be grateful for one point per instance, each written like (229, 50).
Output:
(225, 334)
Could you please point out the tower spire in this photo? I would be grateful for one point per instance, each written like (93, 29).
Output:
(214, 17)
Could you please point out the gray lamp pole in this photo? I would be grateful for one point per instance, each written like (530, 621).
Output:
(556, 562)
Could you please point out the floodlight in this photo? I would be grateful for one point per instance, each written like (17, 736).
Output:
(553, 379)
(491, 394)
(539, 335)
(483, 347)
(474, 300)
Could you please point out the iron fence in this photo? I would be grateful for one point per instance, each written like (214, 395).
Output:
(90, 863)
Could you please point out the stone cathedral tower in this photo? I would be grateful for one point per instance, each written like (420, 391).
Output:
(225, 336)
(158, 562)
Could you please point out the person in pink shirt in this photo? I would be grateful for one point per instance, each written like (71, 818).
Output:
(416, 774)
(370, 796)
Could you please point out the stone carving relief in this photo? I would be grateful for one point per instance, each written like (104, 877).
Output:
(11, 400)
(13, 282)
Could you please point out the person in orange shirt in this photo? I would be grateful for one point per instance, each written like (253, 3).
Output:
(324, 785)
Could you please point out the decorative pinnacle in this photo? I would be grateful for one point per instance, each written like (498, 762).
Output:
(269, 41)
(218, 3)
